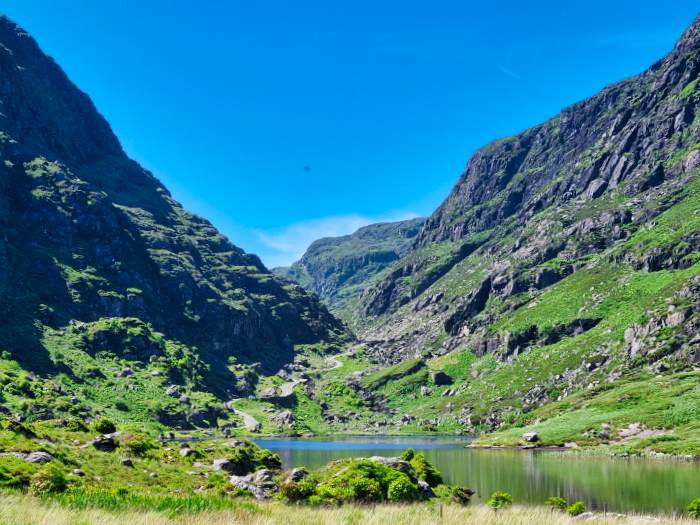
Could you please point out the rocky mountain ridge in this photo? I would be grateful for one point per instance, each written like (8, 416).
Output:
(338, 268)
(94, 248)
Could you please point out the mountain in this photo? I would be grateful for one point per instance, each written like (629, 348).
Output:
(557, 288)
(338, 269)
(103, 272)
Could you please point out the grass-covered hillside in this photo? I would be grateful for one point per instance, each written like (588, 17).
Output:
(108, 285)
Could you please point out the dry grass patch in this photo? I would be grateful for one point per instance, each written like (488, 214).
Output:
(24, 510)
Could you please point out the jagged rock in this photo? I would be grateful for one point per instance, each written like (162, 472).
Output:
(596, 188)
(186, 452)
(283, 418)
(127, 462)
(425, 391)
(78, 472)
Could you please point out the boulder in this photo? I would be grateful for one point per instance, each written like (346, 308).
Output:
(424, 490)
(223, 464)
(395, 463)
(297, 474)
(441, 378)
(531, 437)
(260, 484)
(38, 457)
(126, 462)
(105, 443)
(173, 391)
(425, 391)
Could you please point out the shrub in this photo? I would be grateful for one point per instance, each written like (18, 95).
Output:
(137, 444)
(292, 491)
(694, 508)
(48, 480)
(19, 428)
(454, 494)
(424, 470)
(499, 500)
(103, 426)
(556, 502)
(248, 457)
(576, 508)
(401, 489)
(76, 425)
(361, 481)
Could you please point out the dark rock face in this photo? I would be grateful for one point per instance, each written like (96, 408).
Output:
(533, 206)
(91, 234)
(337, 268)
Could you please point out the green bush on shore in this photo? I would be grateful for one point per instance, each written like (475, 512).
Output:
(556, 502)
(694, 508)
(576, 508)
(499, 500)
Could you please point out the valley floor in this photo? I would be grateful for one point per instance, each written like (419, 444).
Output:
(24, 510)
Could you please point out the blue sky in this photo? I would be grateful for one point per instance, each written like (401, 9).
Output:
(228, 101)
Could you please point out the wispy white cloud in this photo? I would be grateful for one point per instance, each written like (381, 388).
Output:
(509, 72)
(286, 245)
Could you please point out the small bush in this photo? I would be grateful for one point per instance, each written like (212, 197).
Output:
(556, 502)
(76, 425)
(137, 444)
(499, 500)
(19, 428)
(694, 508)
(401, 489)
(297, 491)
(424, 470)
(103, 426)
(49, 480)
(576, 508)
(454, 494)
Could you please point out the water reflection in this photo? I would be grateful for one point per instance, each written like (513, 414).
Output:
(531, 476)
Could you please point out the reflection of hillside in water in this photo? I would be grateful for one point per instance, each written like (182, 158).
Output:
(531, 477)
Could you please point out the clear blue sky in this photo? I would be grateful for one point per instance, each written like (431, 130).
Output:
(227, 101)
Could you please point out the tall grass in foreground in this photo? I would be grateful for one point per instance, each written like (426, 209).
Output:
(116, 500)
(24, 510)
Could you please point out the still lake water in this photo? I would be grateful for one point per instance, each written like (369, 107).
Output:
(531, 476)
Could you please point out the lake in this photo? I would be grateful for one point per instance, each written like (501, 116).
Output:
(531, 476)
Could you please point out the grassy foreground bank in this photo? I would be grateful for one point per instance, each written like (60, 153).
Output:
(27, 510)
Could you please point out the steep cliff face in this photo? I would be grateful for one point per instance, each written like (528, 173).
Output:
(558, 276)
(88, 234)
(626, 140)
(338, 269)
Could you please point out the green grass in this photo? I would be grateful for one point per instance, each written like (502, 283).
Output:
(391, 374)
